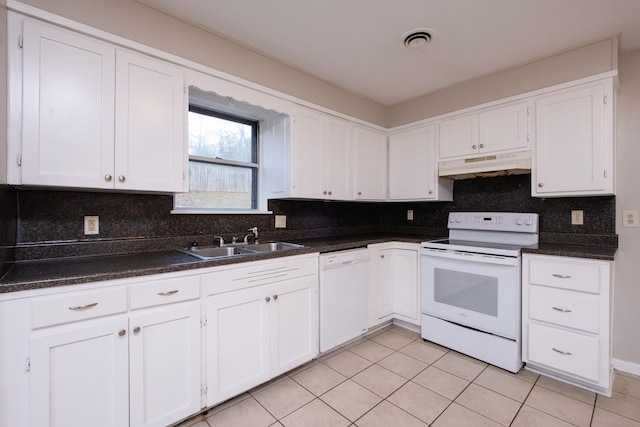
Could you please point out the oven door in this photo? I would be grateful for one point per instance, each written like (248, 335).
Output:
(474, 290)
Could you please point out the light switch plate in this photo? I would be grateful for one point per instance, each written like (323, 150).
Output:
(410, 214)
(281, 221)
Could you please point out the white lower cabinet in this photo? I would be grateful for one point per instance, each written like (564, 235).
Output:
(395, 291)
(164, 364)
(566, 306)
(266, 327)
(79, 374)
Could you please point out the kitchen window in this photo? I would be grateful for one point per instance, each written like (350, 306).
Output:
(223, 162)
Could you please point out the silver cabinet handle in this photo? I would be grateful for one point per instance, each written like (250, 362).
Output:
(108, 177)
(562, 310)
(561, 276)
(267, 299)
(122, 178)
(83, 307)
(122, 332)
(168, 293)
(540, 184)
(136, 330)
(566, 353)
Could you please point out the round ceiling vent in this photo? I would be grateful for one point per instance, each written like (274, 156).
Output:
(417, 39)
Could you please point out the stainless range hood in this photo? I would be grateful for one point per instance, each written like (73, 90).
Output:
(487, 166)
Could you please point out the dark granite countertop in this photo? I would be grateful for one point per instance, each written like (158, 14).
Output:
(36, 274)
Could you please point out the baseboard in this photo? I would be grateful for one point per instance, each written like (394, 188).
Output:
(623, 366)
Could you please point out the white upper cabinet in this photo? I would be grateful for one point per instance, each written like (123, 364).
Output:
(322, 156)
(574, 147)
(68, 108)
(96, 116)
(413, 172)
(369, 164)
(492, 130)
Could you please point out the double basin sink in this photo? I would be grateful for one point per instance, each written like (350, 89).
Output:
(215, 252)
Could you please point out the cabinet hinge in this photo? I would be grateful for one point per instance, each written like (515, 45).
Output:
(605, 173)
(605, 99)
(528, 137)
(20, 41)
(19, 159)
(203, 389)
(28, 365)
(528, 110)
(203, 321)
(184, 88)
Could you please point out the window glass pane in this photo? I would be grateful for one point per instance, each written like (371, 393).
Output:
(218, 187)
(219, 138)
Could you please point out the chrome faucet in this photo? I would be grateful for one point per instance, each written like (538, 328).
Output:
(221, 240)
(253, 231)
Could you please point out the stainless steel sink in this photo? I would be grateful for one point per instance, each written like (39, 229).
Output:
(215, 252)
(272, 247)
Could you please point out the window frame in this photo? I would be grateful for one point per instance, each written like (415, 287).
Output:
(254, 166)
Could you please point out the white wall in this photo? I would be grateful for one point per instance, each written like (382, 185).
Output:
(626, 337)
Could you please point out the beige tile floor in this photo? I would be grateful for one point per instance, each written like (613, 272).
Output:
(394, 378)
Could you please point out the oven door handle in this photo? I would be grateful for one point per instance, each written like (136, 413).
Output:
(470, 257)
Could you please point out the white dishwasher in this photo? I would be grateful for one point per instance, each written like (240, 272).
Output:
(344, 296)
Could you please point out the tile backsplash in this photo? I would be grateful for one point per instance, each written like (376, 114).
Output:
(54, 219)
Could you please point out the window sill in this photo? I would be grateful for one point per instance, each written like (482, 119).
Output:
(219, 212)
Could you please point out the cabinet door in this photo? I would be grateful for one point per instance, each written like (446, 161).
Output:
(503, 128)
(79, 374)
(573, 141)
(294, 323)
(308, 153)
(165, 364)
(382, 283)
(337, 168)
(370, 164)
(405, 290)
(68, 108)
(459, 136)
(412, 165)
(150, 111)
(238, 350)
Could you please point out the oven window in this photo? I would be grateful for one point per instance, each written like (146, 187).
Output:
(470, 291)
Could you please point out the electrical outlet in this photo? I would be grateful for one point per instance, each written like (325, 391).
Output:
(91, 225)
(410, 214)
(577, 218)
(281, 221)
(629, 218)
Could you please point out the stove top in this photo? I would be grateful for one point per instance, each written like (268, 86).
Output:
(495, 233)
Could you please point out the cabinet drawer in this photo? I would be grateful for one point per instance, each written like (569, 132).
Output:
(565, 351)
(261, 273)
(567, 308)
(573, 274)
(165, 291)
(71, 307)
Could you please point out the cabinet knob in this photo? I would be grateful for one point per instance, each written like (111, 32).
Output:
(481, 145)
(540, 184)
(430, 192)
(474, 146)
(275, 297)
(324, 192)
(329, 192)
(122, 332)
(108, 177)
(267, 299)
(122, 178)
(359, 193)
(136, 330)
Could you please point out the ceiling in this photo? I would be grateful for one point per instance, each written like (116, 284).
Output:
(357, 45)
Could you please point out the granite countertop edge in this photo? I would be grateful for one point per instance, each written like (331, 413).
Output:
(48, 273)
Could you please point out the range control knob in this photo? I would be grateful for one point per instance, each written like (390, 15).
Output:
(519, 221)
(458, 220)
(528, 222)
